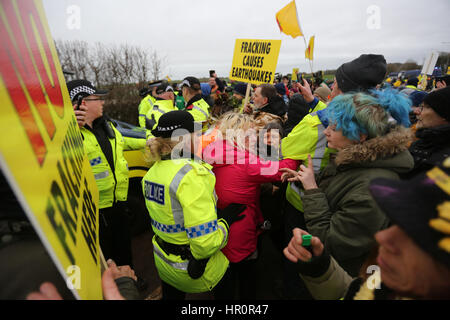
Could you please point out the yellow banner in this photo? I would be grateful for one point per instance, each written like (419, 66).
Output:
(41, 149)
(294, 74)
(309, 52)
(287, 20)
(255, 61)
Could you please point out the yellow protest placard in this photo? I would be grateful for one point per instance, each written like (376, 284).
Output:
(255, 61)
(41, 150)
(294, 74)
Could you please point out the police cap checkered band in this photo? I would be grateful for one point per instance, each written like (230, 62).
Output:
(82, 88)
(165, 87)
(191, 82)
(86, 91)
(170, 123)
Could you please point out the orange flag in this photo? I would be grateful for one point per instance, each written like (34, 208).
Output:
(288, 22)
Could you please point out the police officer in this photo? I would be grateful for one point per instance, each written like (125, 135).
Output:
(199, 108)
(179, 195)
(104, 146)
(146, 103)
(160, 101)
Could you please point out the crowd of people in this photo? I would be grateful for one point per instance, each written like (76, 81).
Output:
(359, 164)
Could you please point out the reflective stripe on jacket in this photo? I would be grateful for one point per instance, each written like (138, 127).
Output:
(199, 110)
(112, 186)
(306, 138)
(145, 105)
(180, 197)
(158, 108)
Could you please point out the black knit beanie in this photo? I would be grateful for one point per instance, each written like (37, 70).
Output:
(361, 74)
(439, 101)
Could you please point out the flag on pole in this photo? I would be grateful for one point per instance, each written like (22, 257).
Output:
(168, 78)
(287, 20)
(310, 50)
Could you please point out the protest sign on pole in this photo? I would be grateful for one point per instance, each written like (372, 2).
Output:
(255, 61)
(41, 150)
(294, 76)
(430, 63)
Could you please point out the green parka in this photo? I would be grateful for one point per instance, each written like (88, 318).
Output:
(341, 212)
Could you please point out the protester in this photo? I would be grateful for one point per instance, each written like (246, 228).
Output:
(285, 80)
(322, 93)
(308, 138)
(239, 173)
(337, 206)
(297, 110)
(218, 82)
(416, 98)
(281, 91)
(413, 254)
(266, 99)
(104, 146)
(239, 92)
(433, 131)
(206, 93)
(179, 195)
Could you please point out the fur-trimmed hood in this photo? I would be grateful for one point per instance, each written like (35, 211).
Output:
(380, 148)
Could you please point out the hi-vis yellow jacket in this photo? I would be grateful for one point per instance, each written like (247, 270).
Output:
(158, 108)
(145, 105)
(307, 137)
(112, 186)
(199, 110)
(179, 195)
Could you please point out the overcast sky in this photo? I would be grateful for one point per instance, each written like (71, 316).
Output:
(198, 35)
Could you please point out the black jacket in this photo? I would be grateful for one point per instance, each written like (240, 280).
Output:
(431, 149)
(275, 106)
(298, 108)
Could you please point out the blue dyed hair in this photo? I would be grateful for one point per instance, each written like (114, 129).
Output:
(369, 114)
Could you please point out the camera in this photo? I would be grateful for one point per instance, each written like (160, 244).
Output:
(445, 78)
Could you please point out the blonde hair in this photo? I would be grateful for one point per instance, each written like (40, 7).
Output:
(263, 119)
(158, 147)
(231, 124)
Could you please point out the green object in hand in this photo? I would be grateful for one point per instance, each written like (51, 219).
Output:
(306, 242)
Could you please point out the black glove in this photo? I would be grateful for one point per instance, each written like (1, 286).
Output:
(231, 213)
(317, 266)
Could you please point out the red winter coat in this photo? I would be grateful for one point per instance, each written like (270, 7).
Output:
(239, 182)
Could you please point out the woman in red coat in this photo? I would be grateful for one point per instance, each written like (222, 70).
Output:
(239, 174)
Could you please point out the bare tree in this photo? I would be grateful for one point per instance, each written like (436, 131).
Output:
(156, 65)
(96, 62)
(143, 65)
(72, 55)
(109, 64)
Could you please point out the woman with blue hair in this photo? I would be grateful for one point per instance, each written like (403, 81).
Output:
(371, 136)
